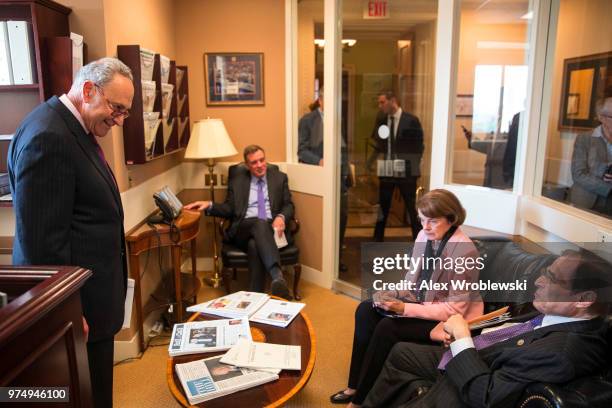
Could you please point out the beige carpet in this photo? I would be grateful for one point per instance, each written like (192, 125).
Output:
(142, 383)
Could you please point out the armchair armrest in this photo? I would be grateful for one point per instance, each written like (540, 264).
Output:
(587, 392)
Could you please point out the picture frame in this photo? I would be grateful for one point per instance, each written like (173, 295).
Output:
(586, 79)
(234, 78)
(464, 106)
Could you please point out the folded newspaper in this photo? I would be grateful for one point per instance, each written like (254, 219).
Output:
(207, 336)
(254, 355)
(277, 312)
(206, 379)
(239, 304)
(256, 306)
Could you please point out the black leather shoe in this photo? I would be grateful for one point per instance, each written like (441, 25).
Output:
(340, 398)
(279, 288)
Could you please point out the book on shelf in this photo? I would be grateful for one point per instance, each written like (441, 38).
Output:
(250, 354)
(208, 378)
(207, 336)
(258, 307)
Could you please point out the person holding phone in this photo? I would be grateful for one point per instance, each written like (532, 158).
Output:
(592, 164)
(422, 311)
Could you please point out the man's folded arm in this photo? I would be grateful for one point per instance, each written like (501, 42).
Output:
(479, 386)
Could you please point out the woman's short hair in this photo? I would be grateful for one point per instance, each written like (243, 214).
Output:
(442, 203)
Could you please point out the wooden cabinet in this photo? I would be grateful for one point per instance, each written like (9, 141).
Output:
(52, 54)
(136, 147)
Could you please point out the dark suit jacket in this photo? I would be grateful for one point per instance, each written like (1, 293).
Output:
(68, 210)
(408, 143)
(237, 200)
(496, 376)
(310, 138)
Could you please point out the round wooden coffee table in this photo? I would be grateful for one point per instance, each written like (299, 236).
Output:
(273, 394)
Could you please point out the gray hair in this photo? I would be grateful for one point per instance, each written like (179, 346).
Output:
(599, 105)
(101, 72)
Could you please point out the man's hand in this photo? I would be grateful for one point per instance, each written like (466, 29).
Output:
(394, 306)
(198, 205)
(456, 327)
(279, 226)
(607, 177)
(85, 329)
(321, 162)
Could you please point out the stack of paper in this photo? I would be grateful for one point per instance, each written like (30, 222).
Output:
(209, 378)
(207, 336)
(257, 306)
(277, 312)
(249, 354)
(239, 304)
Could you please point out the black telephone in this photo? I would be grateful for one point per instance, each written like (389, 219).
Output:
(169, 205)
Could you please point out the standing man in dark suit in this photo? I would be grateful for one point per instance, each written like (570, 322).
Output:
(258, 203)
(67, 205)
(402, 151)
(566, 341)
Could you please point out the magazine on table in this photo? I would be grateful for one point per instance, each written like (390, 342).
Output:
(206, 379)
(277, 312)
(207, 336)
(255, 355)
(256, 306)
(239, 304)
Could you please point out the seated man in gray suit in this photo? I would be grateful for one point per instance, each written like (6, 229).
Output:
(591, 160)
(258, 203)
(566, 341)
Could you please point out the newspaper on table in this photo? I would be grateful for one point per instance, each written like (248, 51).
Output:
(249, 354)
(277, 312)
(235, 305)
(206, 379)
(207, 336)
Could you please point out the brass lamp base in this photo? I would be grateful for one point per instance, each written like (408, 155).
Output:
(213, 281)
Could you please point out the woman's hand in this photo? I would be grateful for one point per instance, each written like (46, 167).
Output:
(394, 306)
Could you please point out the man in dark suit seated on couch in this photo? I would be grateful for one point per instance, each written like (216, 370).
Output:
(566, 341)
(258, 203)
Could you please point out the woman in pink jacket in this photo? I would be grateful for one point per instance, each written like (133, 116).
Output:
(420, 312)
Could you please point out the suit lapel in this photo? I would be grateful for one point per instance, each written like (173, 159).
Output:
(271, 180)
(244, 189)
(87, 145)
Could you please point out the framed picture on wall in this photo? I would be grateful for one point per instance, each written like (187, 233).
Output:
(464, 107)
(234, 78)
(585, 80)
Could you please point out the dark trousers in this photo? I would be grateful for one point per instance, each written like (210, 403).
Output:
(100, 356)
(375, 336)
(256, 237)
(407, 188)
(408, 367)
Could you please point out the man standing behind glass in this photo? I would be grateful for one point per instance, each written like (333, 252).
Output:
(310, 151)
(403, 150)
(591, 164)
(68, 209)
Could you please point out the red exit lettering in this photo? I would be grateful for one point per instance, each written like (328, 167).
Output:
(377, 8)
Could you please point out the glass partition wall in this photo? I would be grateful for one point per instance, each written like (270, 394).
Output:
(387, 71)
(492, 74)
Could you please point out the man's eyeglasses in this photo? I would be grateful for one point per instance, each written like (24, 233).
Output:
(551, 276)
(117, 110)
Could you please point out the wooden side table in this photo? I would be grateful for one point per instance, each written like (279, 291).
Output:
(144, 238)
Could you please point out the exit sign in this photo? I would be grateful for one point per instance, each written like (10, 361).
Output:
(375, 9)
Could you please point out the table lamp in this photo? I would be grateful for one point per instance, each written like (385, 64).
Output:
(209, 140)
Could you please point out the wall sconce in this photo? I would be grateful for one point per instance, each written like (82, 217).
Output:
(319, 42)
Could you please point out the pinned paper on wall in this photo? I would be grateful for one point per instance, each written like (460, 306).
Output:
(77, 53)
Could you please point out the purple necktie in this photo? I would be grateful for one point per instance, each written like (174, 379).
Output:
(490, 338)
(102, 157)
(261, 200)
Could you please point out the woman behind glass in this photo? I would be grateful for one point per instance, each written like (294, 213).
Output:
(423, 311)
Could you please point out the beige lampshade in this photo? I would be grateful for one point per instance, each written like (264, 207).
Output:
(209, 140)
